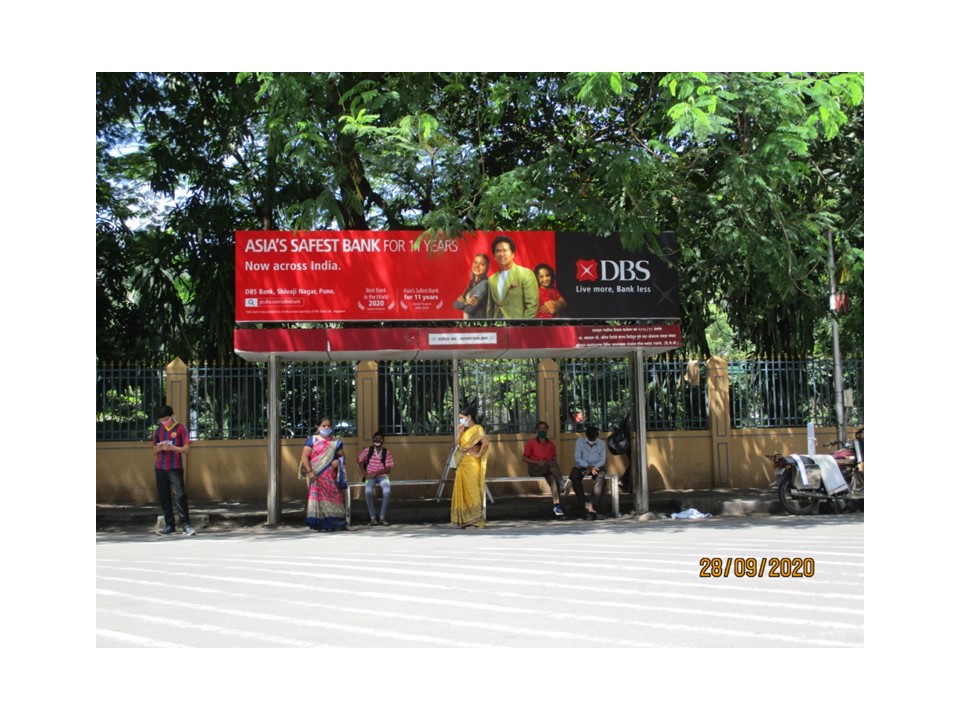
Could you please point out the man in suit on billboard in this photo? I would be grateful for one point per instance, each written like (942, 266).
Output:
(512, 292)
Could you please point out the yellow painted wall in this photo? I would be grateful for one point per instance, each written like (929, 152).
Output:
(236, 470)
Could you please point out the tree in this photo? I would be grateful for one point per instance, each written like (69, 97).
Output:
(750, 169)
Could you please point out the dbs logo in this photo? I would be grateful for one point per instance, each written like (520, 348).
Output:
(587, 270)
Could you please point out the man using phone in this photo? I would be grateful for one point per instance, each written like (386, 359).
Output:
(170, 443)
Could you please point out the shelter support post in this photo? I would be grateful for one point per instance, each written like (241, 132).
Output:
(273, 440)
(638, 438)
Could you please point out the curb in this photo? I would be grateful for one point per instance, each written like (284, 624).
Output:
(717, 503)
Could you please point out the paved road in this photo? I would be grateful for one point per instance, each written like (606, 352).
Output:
(619, 583)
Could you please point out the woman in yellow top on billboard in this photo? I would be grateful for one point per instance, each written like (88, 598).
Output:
(466, 505)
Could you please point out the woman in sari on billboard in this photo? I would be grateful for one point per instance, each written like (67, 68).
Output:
(466, 505)
(321, 465)
(473, 300)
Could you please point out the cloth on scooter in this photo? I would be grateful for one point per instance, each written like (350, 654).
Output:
(691, 514)
(830, 474)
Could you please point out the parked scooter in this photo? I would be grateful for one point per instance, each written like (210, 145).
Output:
(803, 481)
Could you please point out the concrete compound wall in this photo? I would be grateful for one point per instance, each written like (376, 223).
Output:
(236, 470)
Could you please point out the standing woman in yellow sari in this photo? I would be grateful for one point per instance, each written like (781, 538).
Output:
(321, 465)
(466, 506)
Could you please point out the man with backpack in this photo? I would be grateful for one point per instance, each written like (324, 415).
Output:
(376, 462)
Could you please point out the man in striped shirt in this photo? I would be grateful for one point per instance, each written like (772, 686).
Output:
(170, 443)
(376, 462)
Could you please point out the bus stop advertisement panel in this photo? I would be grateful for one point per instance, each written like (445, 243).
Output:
(398, 277)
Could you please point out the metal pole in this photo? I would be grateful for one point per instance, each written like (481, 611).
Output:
(455, 369)
(273, 441)
(456, 395)
(837, 361)
(638, 438)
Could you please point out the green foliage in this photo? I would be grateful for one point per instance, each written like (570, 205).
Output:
(123, 406)
(752, 170)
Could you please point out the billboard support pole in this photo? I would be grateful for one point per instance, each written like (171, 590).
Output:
(273, 441)
(638, 438)
(837, 360)
(455, 368)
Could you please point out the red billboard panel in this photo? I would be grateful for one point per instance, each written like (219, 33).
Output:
(335, 276)
(418, 343)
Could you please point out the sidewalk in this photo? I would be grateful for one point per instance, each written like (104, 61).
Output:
(739, 502)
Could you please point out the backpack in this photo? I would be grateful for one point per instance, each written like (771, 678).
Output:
(619, 441)
(383, 456)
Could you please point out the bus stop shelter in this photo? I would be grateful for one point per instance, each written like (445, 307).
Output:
(275, 345)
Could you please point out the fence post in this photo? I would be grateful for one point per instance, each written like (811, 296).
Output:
(178, 390)
(548, 395)
(718, 404)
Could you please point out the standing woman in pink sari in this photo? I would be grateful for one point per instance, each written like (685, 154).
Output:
(321, 465)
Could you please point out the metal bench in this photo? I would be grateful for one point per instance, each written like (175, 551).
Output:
(613, 481)
(362, 483)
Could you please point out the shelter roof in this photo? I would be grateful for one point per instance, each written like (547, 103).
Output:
(438, 343)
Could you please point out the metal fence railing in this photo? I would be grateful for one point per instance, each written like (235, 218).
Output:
(504, 392)
(416, 397)
(791, 393)
(597, 391)
(676, 395)
(128, 399)
(231, 402)
(312, 391)
(228, 401)
(594, 391)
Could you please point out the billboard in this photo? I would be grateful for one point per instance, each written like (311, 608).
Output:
(354, 275)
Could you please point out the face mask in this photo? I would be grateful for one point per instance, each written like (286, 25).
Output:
(378, 443)
(326, 432)
(542, 434)
(169, 423)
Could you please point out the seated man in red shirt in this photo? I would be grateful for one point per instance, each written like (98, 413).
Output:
(541, 456)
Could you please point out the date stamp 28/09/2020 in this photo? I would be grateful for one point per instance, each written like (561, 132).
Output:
(772, 567)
